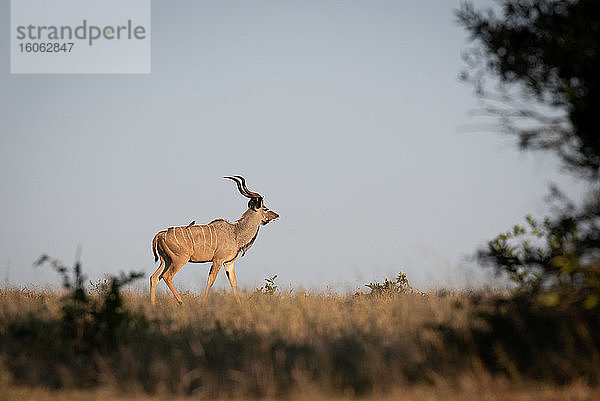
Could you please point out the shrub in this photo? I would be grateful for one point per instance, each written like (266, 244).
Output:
(270, 287)
(556, 260)
(399, 285)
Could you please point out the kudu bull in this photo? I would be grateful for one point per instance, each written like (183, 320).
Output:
(219, 242)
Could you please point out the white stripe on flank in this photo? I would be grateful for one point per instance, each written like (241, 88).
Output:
(175, 235)
(203, 240)
(183, 238)
(184, 235)
(210, 229)
(191, 235)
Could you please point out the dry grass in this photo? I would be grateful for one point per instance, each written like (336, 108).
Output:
(472, 390)
(296, 346)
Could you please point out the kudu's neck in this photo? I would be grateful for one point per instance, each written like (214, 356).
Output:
(247, 227)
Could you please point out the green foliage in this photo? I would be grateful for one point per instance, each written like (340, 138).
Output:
(399, 285)
(557, 259)
(543, 59)
(270, 287)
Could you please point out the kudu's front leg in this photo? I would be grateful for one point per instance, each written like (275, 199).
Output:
(232, 280)
(212, 276)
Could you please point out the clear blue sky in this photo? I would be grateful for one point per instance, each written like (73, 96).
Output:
(347, 116)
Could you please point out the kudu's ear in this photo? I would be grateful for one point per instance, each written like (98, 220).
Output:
(255, 203)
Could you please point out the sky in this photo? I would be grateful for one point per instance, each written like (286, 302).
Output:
(348, 117)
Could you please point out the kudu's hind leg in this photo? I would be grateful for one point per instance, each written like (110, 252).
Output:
(176, 265)
(232, 280)
(212, 276)
(154, 279)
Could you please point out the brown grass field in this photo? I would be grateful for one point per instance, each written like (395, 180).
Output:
(296, 346)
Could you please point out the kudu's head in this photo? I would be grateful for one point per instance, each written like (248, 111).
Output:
(256, 200)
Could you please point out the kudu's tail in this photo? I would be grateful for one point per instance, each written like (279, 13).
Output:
(154, 242)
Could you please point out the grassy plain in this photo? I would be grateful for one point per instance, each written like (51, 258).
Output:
(406, 346)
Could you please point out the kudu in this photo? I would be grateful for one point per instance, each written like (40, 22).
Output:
(219, 242)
